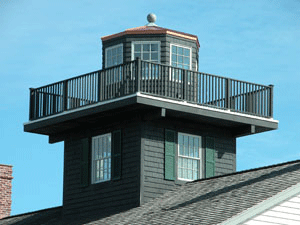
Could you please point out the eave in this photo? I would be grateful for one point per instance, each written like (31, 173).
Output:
(240, 124)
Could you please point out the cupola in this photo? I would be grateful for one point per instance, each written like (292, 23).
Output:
(151, 43)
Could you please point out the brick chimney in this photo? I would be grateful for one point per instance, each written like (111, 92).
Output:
(5, 190)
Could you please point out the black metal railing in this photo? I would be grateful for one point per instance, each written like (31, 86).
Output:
(155, 79)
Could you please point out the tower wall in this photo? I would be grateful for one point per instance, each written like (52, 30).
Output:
(153, 153)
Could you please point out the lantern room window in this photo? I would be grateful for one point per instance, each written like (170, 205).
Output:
(181, 56)
(114, 55)
(146, 50)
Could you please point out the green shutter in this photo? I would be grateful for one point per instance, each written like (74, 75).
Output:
(85, 162)
(170, 149)
(210, 157)
(116, 155)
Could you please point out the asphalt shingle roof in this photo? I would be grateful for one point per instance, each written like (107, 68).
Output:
(207, 201)
(212, 201)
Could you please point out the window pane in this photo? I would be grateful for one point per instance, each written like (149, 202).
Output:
(101, 161)
(185, 163)
(191, 147)
(186, 145)
(180, 51)
(190, 164)
(137, 47)
(186, 52)
(114, 51)
(109, 54)
(104, 147)
(174, 49)
(196, 147)
(154, 56)
(146, 47)
(154, 47)
(119, 50)
(180, 144)
(190, 175)
(174, 58)
(180, 172)
(186, 61)
(180, 59)
(137, 55)
(195, 164)
(109, 146)
(146, 56)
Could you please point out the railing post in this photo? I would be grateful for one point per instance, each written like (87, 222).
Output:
(99, 87)
(65, 95)
(138, 70)
(271, 100)
(31, 104)
(185, 85)
(228, 93)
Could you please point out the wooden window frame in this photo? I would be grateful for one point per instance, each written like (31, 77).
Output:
(110, 49)
(181, 46)
(200, 159)
(108, 156)
(146, 42)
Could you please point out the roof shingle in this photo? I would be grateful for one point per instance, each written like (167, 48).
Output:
(207, 201)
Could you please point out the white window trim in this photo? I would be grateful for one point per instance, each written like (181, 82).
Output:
(94, 181)
(112, 47)
(182, 46)
(201, 159)
(145, 42)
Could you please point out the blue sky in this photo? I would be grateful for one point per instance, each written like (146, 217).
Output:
(42, 42)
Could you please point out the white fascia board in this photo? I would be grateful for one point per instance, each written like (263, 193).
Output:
(194, 105)
(263, 206)
(81, 108)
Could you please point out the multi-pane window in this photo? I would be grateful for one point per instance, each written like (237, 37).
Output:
(180, 57)
(189, 157)
(114, 55)
(101, 158)
(149, 51)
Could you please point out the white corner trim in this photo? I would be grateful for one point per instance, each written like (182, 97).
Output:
(226, 111)
(263, 206)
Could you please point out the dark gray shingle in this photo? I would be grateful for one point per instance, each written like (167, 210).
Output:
(207, 201)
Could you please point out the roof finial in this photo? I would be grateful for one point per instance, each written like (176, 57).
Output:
(151, 19)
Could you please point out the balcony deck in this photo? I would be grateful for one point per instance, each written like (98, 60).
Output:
(159, 81)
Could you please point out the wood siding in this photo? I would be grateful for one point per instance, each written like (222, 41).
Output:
(288, 212)
(153, 148)
(153, 181)
(107, 197)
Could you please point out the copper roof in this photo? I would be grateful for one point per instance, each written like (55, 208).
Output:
(152, 30)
